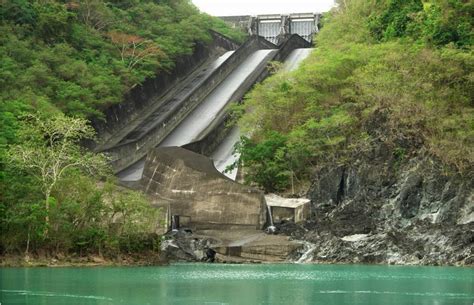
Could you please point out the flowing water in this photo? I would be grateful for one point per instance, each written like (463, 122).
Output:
(224, 154)
(198, 284)
(295, 58)
(206, 112)
(200, 118)
(308, 252)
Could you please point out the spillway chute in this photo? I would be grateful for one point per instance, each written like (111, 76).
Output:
(224, 154)
(189, 118)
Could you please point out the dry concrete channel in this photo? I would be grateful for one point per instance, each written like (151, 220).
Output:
(176, 151)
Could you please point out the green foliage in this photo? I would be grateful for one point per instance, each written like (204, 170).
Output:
(266, 161)
(438, 22)
(394, 21)
(220, 26)
(66, 62)
(355, 91)
(61, 55)
(53, 22)
(447, 21)
(84, 217)
(51, 197)
(18, 11)
(46, 150)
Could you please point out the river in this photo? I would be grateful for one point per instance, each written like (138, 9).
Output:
(198, 284)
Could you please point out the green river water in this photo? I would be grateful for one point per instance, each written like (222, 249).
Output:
(198, 284)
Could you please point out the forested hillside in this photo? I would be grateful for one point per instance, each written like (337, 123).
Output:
(62, 64)
(391, 72)
(80, 57)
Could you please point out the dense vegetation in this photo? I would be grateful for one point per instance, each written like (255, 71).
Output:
(393, 71)
(80, 57)
(62, 63)
(60, 198)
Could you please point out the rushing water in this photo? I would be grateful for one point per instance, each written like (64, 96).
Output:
(224, 155)
(198, 284)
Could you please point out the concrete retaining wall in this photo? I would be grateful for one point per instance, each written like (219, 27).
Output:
(291, 43)
(188, 185)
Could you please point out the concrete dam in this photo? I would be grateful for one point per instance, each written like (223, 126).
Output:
(171, 139)
(275, 27)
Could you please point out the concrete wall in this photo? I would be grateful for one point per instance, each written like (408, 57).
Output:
(296, 214)
(211, 140)
(303, 212)
(123, 155)
(282, 213)
(191, 187)
(141, 97)
(240, 22)
(289, 44)
(224, 41)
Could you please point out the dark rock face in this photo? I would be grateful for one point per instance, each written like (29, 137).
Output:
(410, 196)
(381, 210)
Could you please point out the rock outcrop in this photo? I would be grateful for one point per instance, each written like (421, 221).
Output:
(384, 209)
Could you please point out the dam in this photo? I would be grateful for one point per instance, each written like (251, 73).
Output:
(172, 141)
(275, 27)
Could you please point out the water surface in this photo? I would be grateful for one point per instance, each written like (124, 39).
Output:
(198, 284)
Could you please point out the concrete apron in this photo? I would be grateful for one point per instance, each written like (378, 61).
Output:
(244, 245)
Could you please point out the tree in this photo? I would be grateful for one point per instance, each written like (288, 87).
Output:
(134, 49)
(395, 19)
(93, 13)
(48, 149)
(266, 162)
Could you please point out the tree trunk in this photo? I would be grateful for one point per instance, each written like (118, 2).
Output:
(27, 250)
(46, 218)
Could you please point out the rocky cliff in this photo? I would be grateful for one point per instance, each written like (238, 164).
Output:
(382, 208)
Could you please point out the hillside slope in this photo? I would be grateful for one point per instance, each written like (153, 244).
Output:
(62, 64)
(377, 127)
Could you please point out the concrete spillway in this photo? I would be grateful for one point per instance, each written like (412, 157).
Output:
(224, 155)
(213, 105)
(176, 99)
(196, 123)
(295, 58)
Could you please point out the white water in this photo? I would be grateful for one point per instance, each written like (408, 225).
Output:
(203, 115)
(224, 155)
(308, 253)
(271, 228)
(295, 58)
